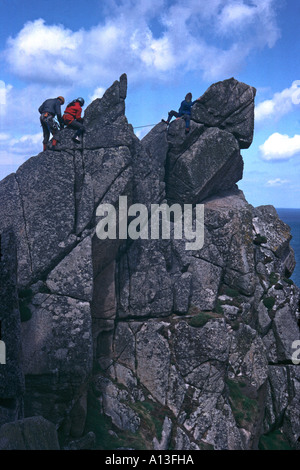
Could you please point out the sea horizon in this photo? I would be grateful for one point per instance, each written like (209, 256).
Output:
(291, 216)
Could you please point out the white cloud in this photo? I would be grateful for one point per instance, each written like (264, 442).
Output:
(20, 128)
(277, 182)
(236, 14)
(156, 54)
(44, 53)
(98, 93)
(14, 151)
(36, 38)
(186, 37)
(29, 140)
(280, 147)
(281, 103)
(4, 96)
(154, 40)
(4, 137)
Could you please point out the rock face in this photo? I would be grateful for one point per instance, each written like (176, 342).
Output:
(34, 433)
(136, 342)
(11, 373)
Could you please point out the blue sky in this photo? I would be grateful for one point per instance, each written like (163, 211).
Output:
(167, 48)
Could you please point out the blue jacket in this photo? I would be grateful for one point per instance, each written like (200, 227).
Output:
(52, 106)
(186, 106)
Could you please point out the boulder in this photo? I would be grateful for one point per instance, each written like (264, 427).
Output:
(210, 165)
(228, 105)
(34, 433)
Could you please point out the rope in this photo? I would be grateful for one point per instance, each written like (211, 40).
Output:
(148, 125)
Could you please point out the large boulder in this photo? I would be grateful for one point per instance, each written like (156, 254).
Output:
(210, 165)
(228, 105)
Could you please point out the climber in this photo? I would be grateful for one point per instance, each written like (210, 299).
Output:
(184, 111)
(72, 118)
(48, 110)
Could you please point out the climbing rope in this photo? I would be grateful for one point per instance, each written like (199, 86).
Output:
(148, 125)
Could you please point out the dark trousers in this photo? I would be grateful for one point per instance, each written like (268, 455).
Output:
(186, 117)
(49, 125)
(77, 125)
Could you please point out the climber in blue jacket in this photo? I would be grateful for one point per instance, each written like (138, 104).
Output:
(48, 110)
(184, 111)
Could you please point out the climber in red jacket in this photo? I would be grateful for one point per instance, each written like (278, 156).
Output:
(72, 118)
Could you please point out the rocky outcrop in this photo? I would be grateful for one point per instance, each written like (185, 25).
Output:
(228, 105)
(221, 166)
(209, 159)
(139, 342)
(34, 433)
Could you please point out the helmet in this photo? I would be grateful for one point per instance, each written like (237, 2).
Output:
(61, 98)
(80, 100)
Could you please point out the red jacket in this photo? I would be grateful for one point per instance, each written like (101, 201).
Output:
(72, 111)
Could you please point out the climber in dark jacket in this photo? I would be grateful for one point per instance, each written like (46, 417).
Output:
(50, 109)
(72, 118)
(184, 111)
